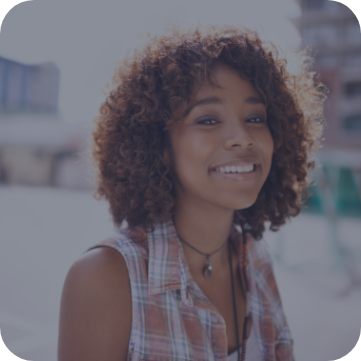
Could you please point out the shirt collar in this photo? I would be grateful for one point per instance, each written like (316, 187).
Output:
(168, 268)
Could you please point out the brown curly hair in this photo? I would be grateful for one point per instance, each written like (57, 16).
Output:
(132, 129)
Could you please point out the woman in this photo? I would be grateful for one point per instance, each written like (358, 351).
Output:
(205, 138)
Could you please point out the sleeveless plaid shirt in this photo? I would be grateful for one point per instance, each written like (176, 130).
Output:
(172, 319)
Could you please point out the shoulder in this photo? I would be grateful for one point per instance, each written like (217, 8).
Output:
(100, 264)
(96, 308)
(100, 259)
(127, 241)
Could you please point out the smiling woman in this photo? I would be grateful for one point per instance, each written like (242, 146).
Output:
(205, 137)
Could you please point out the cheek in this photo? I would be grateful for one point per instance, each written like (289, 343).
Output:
(192, 151)
(268, 145)
(185, 157)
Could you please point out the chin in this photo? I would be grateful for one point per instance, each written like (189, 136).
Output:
(243, 205)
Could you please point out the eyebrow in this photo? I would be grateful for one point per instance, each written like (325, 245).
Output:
(216, 100)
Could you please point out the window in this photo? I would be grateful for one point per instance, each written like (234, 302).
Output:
(327, 60)
(353, 89)
(321, 34)
(313, 4)
(353, 58)
(353, 123)
(352, 32)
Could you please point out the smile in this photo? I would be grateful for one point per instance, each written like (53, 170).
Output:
(239, 169)
(239, 173)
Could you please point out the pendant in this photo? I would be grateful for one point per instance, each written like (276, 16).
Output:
(207, 270)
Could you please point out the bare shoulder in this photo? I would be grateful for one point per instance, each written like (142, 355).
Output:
(96, 308)
(102, 261)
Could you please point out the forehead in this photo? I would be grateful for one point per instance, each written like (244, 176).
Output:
(227, 82)
(226, 87)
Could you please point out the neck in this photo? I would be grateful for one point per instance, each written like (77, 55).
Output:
(207, 232)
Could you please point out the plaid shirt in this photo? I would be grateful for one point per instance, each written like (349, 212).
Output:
(173, 319)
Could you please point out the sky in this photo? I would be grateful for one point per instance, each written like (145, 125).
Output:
(86, 38)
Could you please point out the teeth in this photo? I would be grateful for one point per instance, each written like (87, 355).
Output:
(239, 169)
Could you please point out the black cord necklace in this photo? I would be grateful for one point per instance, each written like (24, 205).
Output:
(234, 297)
(207, 272)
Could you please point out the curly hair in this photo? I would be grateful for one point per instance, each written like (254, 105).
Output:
(132, 128)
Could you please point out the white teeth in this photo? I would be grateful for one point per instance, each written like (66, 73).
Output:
(238, 169)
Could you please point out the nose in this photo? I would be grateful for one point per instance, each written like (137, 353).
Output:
(238, 135)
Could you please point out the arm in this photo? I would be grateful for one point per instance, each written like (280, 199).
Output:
(96, 308)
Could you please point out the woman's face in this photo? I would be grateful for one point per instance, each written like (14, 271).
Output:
(222, 149)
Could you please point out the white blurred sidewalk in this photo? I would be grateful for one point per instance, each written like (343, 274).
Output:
(43, 231)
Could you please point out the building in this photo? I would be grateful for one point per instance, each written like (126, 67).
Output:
(37, 146)
(332, 31)
(28, 88)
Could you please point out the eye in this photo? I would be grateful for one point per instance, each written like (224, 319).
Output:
(256, 120)
(207, 121)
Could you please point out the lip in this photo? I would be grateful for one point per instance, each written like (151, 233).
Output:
(237, 176)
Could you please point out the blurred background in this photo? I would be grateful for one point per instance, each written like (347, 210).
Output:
(56, 64)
